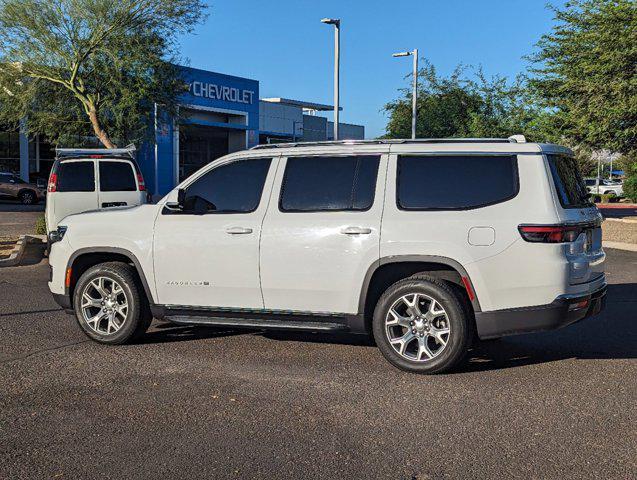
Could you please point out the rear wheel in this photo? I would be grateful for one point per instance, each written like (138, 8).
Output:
(110, 305)
(28, 197)
(421, 326)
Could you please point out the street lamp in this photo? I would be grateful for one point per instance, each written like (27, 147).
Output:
(414, 95)
(337, 61)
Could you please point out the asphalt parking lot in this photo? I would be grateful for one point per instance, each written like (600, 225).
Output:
(206, 403)
(14, 224)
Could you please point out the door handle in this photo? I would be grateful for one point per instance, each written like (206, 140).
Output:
(356, 231)
(238, 230)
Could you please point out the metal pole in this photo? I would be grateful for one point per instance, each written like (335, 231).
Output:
(337, 67)
(414, 95)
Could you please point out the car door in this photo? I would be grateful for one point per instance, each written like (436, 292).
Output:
(75, 190)
(207, 254)
(118, 184)
(6, 187)
(322, 233)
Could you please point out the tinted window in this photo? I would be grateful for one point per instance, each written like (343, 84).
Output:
(232, 188)
(329, 183)
(453, 182)
(569, 185)
(590, 183)
(4, 178)
(76, 177)
(117, 177)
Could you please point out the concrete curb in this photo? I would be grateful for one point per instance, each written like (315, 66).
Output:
(631, 247)
(20, 248)
(621, 220)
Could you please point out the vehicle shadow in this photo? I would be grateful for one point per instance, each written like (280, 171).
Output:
(610, 335)
(9, 205)
(169, 332)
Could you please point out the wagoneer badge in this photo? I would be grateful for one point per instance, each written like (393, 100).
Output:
(187, 283)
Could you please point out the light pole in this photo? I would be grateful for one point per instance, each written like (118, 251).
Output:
(414, 94)
(337, 63)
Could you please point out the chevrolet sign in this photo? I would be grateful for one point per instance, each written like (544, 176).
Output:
(221, 92)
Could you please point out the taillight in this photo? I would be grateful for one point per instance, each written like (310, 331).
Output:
(140, 181)
(550, 233)
(53, 183)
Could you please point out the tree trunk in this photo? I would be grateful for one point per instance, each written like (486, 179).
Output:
(99, 131)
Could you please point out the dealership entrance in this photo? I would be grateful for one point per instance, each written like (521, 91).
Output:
(198, 146)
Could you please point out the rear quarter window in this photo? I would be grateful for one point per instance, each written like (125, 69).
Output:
(569, 185)
(455, 182)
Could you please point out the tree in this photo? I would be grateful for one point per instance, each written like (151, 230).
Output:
(72, 67)
(586, 72)
(476, 106)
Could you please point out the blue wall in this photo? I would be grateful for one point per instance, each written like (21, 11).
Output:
(209, 90)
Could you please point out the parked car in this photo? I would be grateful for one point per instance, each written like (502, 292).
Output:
(420, 243)
(92, 179)
(597, 186)
(12, 186)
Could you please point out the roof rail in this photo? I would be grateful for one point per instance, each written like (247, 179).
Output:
(126, 152)
(392, 141)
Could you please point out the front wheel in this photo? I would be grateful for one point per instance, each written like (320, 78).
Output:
(421, 326)
(109, 304)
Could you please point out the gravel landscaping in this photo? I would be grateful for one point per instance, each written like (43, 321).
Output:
(617, 231)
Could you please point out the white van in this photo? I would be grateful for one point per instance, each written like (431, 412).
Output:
(82, 180)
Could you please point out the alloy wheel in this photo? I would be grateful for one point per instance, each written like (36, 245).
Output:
(417, 327)
(104, 305)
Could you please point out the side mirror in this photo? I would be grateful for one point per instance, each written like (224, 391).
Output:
(181, 198)
(177, 206)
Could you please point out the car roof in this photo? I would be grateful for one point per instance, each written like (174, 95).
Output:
(513, 145)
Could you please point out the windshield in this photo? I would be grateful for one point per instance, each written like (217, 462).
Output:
(569, 184)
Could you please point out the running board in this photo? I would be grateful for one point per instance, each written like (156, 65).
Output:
(255, 323)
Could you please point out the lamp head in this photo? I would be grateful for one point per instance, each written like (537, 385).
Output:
(331, 21)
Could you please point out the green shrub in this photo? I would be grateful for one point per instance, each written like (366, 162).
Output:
(40, 226)
(630, 186)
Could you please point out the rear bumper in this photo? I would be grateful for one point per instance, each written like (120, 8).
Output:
(563, 311)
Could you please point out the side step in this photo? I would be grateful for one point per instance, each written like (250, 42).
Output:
(255, 323)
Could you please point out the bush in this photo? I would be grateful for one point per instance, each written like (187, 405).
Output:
(604, 197)
(630, 184)
(40, 226)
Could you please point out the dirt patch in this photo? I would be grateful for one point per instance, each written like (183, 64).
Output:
(619, 231)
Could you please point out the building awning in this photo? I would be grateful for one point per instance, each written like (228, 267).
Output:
(319, 107)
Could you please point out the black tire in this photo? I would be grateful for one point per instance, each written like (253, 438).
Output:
(461, 331)
(28, 197)
(138, 316)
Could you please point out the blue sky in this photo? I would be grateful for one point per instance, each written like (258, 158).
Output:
(282, 44)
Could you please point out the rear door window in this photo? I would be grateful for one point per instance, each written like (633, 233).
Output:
(117, 177)
(329, 183)
(570, 187)
(455, 182)
(76, 177)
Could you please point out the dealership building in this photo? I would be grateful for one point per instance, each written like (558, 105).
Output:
(219, 114)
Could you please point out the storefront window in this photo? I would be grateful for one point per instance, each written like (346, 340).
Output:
(9, 150)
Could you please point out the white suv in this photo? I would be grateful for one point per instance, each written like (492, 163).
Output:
(396, 238)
